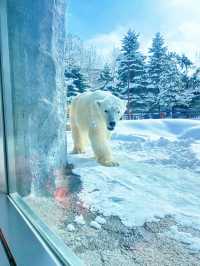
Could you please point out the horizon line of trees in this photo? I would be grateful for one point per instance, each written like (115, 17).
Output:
(160, 81)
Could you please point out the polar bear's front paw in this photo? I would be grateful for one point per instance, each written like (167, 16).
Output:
(109, 163)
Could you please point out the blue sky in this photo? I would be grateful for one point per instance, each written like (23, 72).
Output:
(102, 23)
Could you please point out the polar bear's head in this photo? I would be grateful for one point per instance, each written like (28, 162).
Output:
(111, 109)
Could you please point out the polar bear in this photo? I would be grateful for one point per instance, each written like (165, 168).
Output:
(93, 117)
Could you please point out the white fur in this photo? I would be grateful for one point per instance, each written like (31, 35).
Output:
(91, 115)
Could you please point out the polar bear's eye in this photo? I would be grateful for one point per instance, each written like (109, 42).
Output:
(106, 111)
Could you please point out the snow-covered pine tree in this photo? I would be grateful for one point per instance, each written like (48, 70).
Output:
(70, 86)
(156, 69)
(195, 88)
(79, 84)
(130, 69)
(172, 92)
(185, 65)
(106, 78)
(141, 98)
(184, 62)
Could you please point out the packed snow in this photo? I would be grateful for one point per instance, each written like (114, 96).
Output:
(80, 220)
(159, 173)
(186, 238)
(71, 228)
(95, 225)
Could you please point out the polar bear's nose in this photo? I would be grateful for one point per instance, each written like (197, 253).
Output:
(112, 123)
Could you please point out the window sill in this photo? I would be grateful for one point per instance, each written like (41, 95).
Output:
(26, 247)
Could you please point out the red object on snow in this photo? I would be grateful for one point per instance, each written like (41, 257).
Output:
(61, 195)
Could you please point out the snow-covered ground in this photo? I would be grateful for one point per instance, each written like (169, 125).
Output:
(159, 174)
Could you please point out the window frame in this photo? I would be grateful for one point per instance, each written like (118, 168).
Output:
(3, 182)
(6, 102)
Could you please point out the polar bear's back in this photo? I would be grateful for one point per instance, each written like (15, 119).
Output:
(87, 99)
(92, 96)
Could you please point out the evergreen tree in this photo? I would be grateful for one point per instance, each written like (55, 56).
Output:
(185, 65)
(79, 84)
(131, 68)
(141, 98)
(172, 92)
(195, 89)
(157, 68)
(184, 62)
(106, 78)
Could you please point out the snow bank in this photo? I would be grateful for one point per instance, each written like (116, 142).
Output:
(155, 128)
(159, 173)
(195, 147)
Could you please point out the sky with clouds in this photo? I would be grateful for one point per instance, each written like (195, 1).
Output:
(103, 23)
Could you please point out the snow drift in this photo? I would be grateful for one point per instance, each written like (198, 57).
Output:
(159, 173)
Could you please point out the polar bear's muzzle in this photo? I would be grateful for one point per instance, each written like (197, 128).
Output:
(111, 125)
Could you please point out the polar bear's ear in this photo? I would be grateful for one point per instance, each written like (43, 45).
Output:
(98, 103)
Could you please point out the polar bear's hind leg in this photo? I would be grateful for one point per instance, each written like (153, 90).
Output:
(77, 134)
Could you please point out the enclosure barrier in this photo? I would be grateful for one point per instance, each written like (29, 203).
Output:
(162, 115)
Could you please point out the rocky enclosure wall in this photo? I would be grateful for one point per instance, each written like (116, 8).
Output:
(36, 38)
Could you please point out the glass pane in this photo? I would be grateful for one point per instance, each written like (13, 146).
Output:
(121, 82)
(36, 33)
